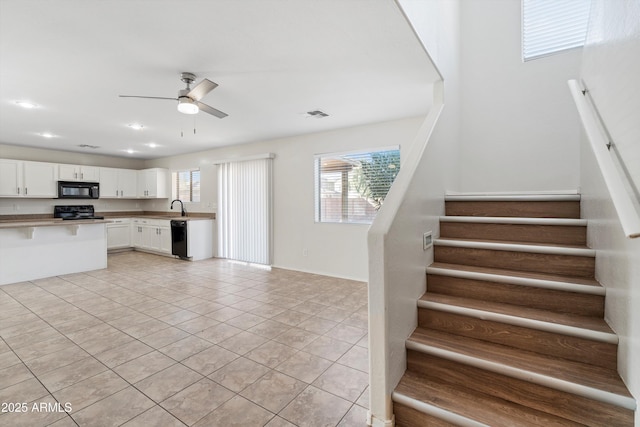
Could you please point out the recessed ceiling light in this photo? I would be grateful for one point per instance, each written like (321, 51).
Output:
(136, 126)
(130, 151)
(152, 145)
(26, 104)
(47, 135)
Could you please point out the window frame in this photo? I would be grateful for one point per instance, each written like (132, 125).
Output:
(175, 184)
(317, 182)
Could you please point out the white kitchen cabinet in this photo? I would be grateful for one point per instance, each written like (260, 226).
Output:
(11, 178)
(200, 239)
(152, 235)
(119, 234)
(28, 179)
(137, 236)
(78, 173)
(40, 179)
(160, 238)
(152, 183)
(118, 183)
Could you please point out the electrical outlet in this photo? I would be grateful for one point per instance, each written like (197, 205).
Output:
(427, 240)
(305, 252)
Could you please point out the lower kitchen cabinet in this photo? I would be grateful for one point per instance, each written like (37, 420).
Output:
(153, 235)
(119, 234)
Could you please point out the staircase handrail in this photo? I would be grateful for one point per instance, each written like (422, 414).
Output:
(596, 133)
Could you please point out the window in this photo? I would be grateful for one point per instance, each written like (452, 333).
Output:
(351, 187)
(551, 26)
(186, 185)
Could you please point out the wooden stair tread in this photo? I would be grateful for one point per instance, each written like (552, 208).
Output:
(514, 242)
(512, 207)
(569, 371)
(474, 405)
(591, 323)
(519, 274)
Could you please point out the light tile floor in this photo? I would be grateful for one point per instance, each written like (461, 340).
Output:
(153, 341)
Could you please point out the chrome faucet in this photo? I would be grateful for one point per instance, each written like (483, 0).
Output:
(182, 211)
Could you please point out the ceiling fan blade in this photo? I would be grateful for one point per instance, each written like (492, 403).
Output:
(208, 109)
(146, 97)
(201, 89)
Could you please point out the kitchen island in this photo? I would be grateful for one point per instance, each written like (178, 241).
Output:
(32, 250)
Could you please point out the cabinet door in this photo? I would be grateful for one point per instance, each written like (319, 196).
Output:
(164, 235)
(68, 172)
(127, 183)
(11, 178)
(109, 183)
(144, 177)
(157, 183)
(137, 239)
(40, 179)
(118, 236)
(150, 239)
(89, 173)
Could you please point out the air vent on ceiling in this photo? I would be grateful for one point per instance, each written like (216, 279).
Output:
(317, 114)
(88, 146)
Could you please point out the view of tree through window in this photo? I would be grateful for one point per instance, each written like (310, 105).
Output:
(186, 185)
(351, 187)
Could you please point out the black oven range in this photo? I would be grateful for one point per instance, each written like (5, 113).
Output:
(74, 212)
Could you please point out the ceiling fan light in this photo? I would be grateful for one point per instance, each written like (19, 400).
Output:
(187, 106)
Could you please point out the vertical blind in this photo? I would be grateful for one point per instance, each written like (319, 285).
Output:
(245, 210)
(550, 26)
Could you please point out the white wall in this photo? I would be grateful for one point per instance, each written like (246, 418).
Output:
(18, 206)
(519, 131)
(333, 249)
(610, 70)
(413, 206)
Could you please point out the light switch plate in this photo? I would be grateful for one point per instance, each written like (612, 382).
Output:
(427, 240)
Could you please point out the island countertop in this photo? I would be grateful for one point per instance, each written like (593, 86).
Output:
(54, 222)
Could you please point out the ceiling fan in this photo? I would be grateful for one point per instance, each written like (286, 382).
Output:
(189, 99)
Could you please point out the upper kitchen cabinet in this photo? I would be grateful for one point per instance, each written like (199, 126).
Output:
(40, 179)
(152, 183)
(11, 178)
(28, 179)
(78, 173)
(118, 183)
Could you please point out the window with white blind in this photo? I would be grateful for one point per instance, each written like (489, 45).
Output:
(351, 187)
(551, 26)
(186, 185)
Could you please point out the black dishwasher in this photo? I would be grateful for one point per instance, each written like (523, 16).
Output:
(179, 238)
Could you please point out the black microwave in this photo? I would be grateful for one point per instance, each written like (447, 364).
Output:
(78, 190)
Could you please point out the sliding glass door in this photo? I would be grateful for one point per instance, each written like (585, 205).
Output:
(245, 210)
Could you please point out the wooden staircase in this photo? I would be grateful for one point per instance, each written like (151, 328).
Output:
(511, 329)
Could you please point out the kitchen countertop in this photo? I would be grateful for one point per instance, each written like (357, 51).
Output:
(53, 222)
(179, 218)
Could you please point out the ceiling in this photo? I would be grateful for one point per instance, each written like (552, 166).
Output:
(274, 60)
